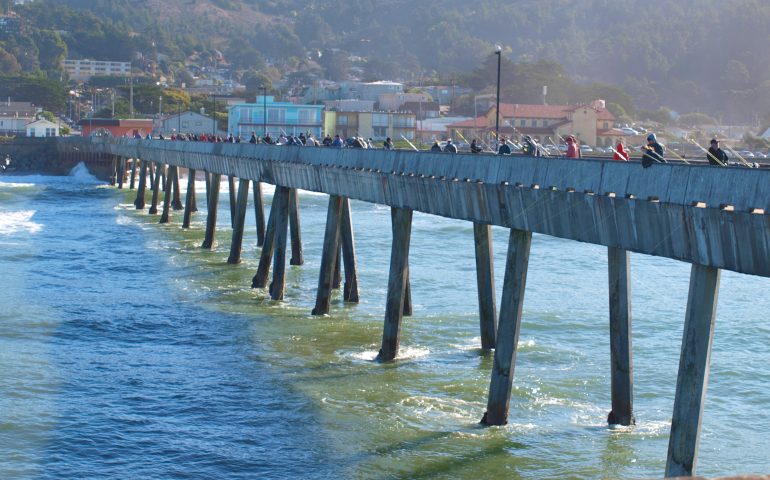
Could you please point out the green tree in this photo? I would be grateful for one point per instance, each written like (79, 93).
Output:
(8, 63)
(52, 49)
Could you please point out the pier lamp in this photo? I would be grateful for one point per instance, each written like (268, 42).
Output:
(264, 110)
(498, 52)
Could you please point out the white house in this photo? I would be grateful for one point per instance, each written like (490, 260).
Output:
(42, 128)
(188, 122)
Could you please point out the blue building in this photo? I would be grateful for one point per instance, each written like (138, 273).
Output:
(282, 117)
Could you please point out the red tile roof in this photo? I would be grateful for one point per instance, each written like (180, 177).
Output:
(480, 122)
(510, 110)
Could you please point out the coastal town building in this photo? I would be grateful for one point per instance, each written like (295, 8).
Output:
(14, 126)
(81, 70)
(375, 125)
(188, 122)
(591, 123)
(281, 117)
(42, 128)
(115, 127)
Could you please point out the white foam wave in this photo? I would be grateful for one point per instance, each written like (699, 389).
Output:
(10, 184)
(81, 175)
(14, 222)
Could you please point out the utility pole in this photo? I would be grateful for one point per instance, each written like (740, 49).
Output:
(498, 52)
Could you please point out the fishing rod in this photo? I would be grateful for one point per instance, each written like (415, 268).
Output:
(678, 156)
(620, 154)
(708, 154)
(410, 144)
(739, 157)
(466, 140)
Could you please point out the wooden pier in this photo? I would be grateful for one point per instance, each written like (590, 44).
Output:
(711, 217)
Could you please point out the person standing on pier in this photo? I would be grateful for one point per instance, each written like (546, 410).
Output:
(573, 151)
(504, 148)
(716, 156)
(388, 144)
(450, 147)
(253, 139)
(620, 153)
(652, 152)
(475, 148)
(436, 147)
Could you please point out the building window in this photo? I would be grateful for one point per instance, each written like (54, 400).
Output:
(306, 116)
(534, 123)
(380, 120)
(342, 120)
(522, 123)
(380, 132)
(606, 125)
(185, 124)
(276, 115)
(545, 123)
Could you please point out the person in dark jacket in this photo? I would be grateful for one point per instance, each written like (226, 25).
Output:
(450, 147)
(716, 156)
(652, 152)
(388, 144)
(436, 147)
(530, 147)
(504, 148)
(475, 148)
(253, 138)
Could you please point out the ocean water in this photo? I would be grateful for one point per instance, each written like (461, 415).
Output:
(127, 351)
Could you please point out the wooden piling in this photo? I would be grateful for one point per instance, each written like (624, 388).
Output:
(176, 200)
(170, 174)
(207, 178)
(337, 277)
(141, 191)
(133, 174)
(121, 171)
(281, 203)
(194, 193)
(350, 290)
(485, 283)
(231, 194)
(508, 328)
(189, 199)
(329, 255)
(694, 364)
(408, 294)
(211, 218)
(296, 237)
(240, 219)
(619, 274)
(259, 213)
(151, 167)
(401, 221)
(155, 190)
(260, 278)
(113, 170)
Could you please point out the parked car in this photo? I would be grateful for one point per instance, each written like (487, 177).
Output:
(746, 153)
(629, 131)
(759, 155)
(586, 149)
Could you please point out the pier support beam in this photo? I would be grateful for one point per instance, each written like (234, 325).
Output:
(401, 220)
(350, 290)
(121, 171)
(508, 328)
(281, 204)
(260, 278)
(296, 237)
(133, 174)
(151, 167)
(619, 274)
(329, 255)
(694, 363)
(155, 190)
(176, 200)
(259, 213)
(170, 174)
(140, 192)
(113, 169)
(189, 199)
(240, 219)
(231, 194)
(211, 218)
(207, 178)
(485, 282)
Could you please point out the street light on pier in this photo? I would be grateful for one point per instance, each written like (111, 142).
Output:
(498, 52)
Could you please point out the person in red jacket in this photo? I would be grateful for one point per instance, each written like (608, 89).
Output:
(620, 153)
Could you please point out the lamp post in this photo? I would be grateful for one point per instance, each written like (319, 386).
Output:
(264, 111)
(498, 52)
(214, 116)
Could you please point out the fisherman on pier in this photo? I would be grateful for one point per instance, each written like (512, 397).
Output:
(716, 156)
(652, 152)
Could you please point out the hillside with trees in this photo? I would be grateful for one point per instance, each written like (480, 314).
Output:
(705, 56)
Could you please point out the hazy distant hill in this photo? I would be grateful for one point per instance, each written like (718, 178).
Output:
(681, 53)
